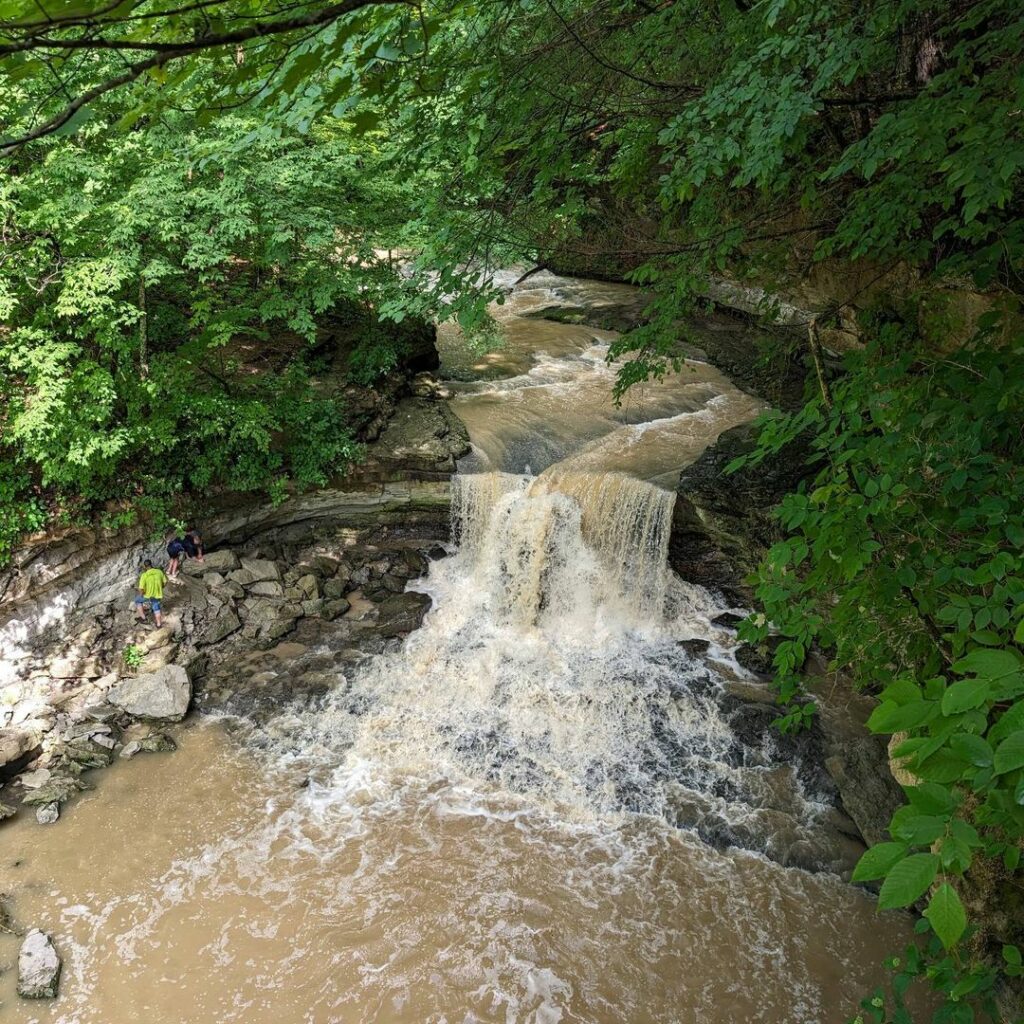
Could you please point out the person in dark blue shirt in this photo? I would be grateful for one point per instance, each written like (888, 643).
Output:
(180, 548)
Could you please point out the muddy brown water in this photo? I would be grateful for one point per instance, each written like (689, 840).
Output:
(476, 827)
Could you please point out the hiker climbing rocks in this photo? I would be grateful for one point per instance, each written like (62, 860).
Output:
(180, 548)
(151, 592)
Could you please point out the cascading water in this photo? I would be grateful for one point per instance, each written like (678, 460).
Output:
(540, 808)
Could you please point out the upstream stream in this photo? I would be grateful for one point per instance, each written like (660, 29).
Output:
(538, 809)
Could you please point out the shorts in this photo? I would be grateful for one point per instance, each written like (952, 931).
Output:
(148, 602)
(176, 549)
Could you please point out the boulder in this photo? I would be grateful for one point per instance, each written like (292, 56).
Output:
(402, 613)
(331, 609)
(334, 588)
(260, 569)
(158, 658)
(7, 811)
(38, 967)
(217, 561)
(267, 588)
(309, 586)
(241, 577)
(160, 696)
(226, 623)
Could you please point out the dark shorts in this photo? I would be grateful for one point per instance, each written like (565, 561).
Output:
(191, 548)
(148, 602)
(175, 549)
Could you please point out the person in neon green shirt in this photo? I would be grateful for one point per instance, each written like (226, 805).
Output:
(151, 592)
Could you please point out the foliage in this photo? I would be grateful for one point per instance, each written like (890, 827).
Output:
(904, 560)
(132, 656)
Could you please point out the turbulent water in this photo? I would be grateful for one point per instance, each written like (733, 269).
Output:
(541, 808)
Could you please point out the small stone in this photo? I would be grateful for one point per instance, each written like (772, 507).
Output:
(130, 749)
(334, 589)
(213, 579)
(229, 590)
(47, 814)
(309, 586)
(105, 741)
(38, 967)
(7, 811)
(242, 577)
(157, 743)
(312, 607)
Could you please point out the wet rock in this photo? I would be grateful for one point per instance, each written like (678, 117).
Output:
(728, 620)
(401, 614)
(160, 696)
(47, 814)
(226, 623)
(694, 647)
(260, 569)
(757, 658)
(312, 607)
(309, 586)
(334, 588)
(7, 811)
(154, 743)
(38, 967)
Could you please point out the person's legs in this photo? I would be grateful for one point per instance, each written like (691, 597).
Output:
(140, 612)
(157, 614)
(172, 567)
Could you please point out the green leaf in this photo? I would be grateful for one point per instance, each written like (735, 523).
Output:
(972, 748)
(964, 695)
(988, 663)
(878, 860)
(907, 880)
(946, 914)
(1010, 753)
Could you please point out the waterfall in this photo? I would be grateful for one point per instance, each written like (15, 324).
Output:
(563, 548)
